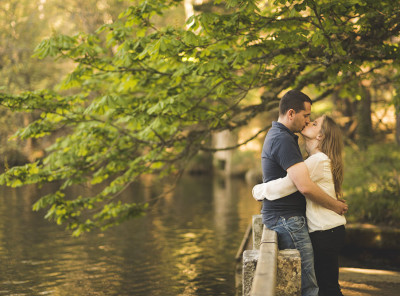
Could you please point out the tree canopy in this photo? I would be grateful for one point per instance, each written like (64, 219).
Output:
(144, 99)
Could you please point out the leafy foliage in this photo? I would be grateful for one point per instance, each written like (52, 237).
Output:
(148, 100)
(372, 184)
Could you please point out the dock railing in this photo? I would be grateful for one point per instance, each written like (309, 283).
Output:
(266, 270)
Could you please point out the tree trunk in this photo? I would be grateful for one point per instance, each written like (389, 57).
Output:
(189, 10)
(222, 160)
(364, 129)
(397, 135)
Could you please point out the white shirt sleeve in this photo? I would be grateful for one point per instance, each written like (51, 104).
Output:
(282, 187)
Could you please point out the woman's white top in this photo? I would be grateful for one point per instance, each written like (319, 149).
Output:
(318, 217)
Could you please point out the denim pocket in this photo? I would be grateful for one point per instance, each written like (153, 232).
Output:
(296, 223)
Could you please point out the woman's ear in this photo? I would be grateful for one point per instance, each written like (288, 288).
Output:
(320, 137)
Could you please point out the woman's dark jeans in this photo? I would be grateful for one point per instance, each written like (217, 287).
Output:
(327, 245)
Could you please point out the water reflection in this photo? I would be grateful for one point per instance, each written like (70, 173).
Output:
(185, 245)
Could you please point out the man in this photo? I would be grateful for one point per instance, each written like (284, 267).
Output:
(280, 156)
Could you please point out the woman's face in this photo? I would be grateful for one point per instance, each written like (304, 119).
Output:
(313, 129)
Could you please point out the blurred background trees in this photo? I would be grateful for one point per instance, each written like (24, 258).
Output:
(143, 91)
(24, 24)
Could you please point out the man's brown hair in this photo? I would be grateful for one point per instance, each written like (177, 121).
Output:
(293, 99)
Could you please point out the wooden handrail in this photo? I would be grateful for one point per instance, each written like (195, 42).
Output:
(264, 282)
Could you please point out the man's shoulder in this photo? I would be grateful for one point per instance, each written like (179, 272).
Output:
(281, 145)
(278, 135)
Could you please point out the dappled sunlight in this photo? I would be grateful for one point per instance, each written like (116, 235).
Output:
(365, 282)
(371, 272)
(385, 116)
(356, 289)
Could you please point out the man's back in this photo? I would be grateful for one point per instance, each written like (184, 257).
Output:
(280, 151)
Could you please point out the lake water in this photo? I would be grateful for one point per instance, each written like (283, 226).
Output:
(185, 245)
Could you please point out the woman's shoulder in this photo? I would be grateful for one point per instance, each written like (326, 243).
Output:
(319, 156)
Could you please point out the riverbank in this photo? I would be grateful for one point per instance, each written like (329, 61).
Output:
(373, 236)
(371, 247)
(370, 261)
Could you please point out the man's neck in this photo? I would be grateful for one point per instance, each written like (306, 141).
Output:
(285, 122)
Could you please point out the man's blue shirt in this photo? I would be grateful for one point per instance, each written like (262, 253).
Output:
(280, 151)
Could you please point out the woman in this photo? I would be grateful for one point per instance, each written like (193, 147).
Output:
(324, 145)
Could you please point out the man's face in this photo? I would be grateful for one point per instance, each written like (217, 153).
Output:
(301, 118)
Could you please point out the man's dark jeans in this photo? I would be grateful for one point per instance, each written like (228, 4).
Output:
(293, 234)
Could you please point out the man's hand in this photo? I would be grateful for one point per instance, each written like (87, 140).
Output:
(342, 207)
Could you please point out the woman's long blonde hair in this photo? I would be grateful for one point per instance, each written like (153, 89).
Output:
(332, 146)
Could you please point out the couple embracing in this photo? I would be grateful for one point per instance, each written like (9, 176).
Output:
(301, 199)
